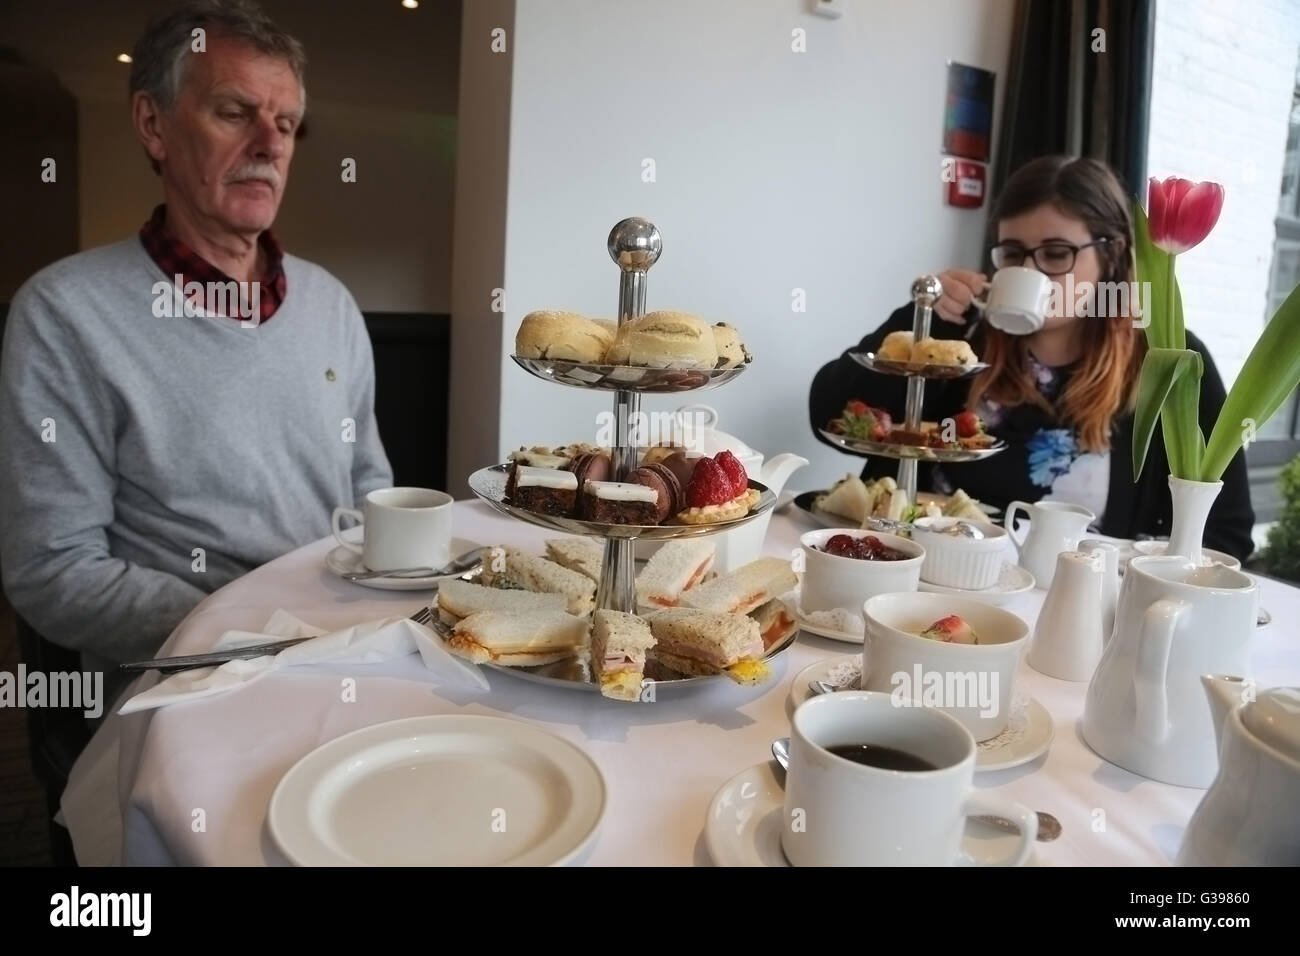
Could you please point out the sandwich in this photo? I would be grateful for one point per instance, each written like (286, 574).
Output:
(519, 640)
(619, 643)
(458, 599)
(584, 555)
(775, 622)
(528, 572)
(676, 567)
(848, 498)
(744, 589)
(703, 644)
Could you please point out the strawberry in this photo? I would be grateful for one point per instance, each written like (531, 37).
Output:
(968, 425)
(734, 470)
(709, 485)
(856, 407)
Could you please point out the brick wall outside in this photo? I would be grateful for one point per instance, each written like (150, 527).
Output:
(1223, 81)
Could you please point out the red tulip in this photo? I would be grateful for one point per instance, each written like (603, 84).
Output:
(1181, 213)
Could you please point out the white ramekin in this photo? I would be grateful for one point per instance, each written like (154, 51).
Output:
(971, 564)
(831, 581)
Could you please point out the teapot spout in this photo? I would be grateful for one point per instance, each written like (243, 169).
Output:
(1224, 693)
(776, 472)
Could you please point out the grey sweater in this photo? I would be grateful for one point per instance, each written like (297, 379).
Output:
(147, 461)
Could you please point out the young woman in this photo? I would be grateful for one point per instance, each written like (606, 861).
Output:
(1062, 398)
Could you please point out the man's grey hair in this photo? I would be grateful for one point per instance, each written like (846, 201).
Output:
(159, 60)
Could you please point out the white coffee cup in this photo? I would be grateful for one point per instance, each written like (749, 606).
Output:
(404, 528)
(973, 683)
(839, 812)
(1017, 301)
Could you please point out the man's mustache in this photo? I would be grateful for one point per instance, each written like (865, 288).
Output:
(255, 173)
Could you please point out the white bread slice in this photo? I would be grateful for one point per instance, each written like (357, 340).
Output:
(619, 643)
(775, 622)
(676, 567)
(458, 599)
(528, 572)
(519, 640)
(584, 555)
(745, 588)
(849, 498)
(704, 644)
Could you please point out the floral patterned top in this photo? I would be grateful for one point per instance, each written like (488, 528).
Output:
(1054, 467)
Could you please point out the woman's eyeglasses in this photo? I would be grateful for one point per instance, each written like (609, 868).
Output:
(1051, 258)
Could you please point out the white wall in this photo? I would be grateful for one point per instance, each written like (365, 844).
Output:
(1223, 80)
(775, 170)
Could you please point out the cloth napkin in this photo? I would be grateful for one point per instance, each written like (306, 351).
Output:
(370, 643)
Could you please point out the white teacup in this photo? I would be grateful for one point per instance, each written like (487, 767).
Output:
(1018, 300)
(839, 812)
(971, 682)
(404, 528)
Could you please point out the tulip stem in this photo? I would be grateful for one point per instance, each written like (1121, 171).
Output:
(1178, 336)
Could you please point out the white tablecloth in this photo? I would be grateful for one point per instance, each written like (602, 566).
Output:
(190, 784)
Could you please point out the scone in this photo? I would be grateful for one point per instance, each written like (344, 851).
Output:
(671, 340)
(897, 347)
(731, 351)
(943, 352)
(563, 336)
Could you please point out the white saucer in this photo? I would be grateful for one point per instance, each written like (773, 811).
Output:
(1029, 733)
(1012, 581)
(344, 561)
(447, 790)
(848, 637)
(743, 827)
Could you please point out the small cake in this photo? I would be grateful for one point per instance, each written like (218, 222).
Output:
(619, 502)
(943, 352)
(540, 456)
(897, 347)
(718, 491)
(674, 340)
(591, 466)
(668, 490)
(547, 491)
(658, 453)
(562, 336)
(731, 351)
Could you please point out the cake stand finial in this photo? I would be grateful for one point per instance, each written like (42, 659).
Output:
(635, 244)
(926, 290)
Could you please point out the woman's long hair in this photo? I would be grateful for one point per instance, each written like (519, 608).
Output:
(1104, 381)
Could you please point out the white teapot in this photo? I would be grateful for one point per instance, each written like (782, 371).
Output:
(698, 432)
(1248, 817)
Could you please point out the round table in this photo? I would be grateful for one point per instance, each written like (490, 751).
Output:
(195, 779)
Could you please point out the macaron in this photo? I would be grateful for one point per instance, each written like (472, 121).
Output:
(592, 466)
(665, 484)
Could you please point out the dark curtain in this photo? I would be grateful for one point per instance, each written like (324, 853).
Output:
(1064, 96)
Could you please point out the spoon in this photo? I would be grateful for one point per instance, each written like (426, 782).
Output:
(461, 564)
(958, 529)
(1049, 828)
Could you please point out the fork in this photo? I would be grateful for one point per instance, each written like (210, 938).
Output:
(426, 616)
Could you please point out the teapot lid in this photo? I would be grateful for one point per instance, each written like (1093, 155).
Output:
(1274, 718)
(698, 424)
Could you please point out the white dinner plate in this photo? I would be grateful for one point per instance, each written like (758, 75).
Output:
(1013, 581)
(1029, 732)
(743, 827)
(343, 561)
(448, 790)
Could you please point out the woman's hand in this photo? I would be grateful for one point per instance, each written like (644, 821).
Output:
(960, 287)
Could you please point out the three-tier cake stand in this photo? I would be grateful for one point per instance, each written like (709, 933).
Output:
(635, 245)
(925, 292)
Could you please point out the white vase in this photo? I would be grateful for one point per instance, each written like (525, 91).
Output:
(1192, 501)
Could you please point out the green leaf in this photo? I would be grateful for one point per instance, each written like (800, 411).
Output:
(1155, 268)
(1180, 423)
(1161, 370)
(1270, 374)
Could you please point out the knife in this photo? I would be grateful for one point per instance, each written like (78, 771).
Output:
(166, 664)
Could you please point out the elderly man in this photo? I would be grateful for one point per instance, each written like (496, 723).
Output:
(150, 454)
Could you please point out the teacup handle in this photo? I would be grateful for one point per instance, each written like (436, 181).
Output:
(1026, 819)
(1151, 669)
(340, 513)
(1009, 523)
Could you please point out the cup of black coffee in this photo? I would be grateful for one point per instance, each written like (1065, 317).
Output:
(872, 783)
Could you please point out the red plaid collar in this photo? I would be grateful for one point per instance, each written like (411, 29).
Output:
(175, 258)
